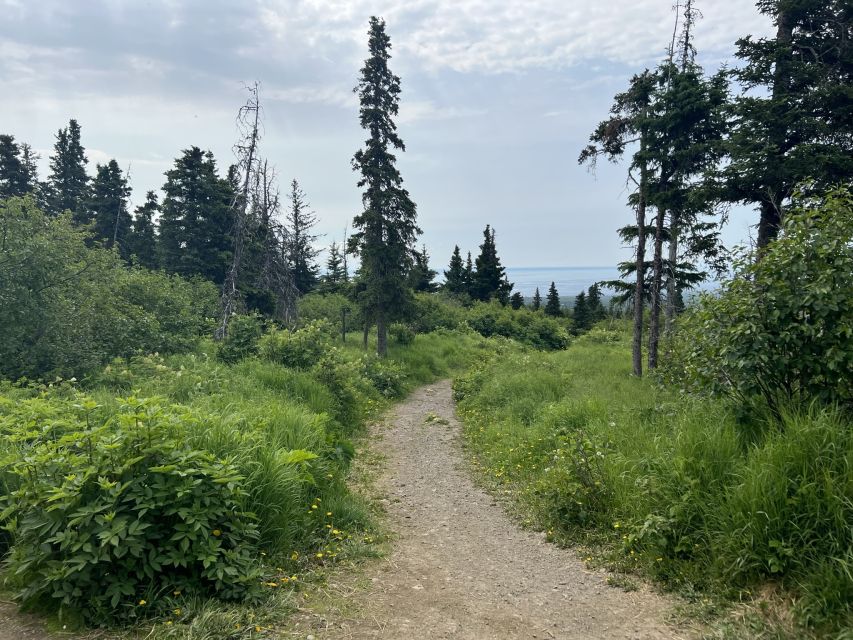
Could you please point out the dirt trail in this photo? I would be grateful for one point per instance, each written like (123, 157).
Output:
(461, 569)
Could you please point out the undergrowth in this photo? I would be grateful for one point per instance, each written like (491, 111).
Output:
(672, 486)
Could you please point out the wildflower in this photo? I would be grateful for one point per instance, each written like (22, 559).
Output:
(177, 612)
(142, 603)
(616, 525)
(168, 623)
(328, 513)
(217, 532)
(320, 554)
(294, 555)
(313, 506)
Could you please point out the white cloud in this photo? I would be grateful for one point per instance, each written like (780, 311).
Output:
(335, 96)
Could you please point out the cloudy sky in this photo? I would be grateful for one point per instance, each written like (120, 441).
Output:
(498, 98)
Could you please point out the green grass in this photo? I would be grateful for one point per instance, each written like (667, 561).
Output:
(678, 488)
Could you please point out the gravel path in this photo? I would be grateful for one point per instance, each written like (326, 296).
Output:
(460, 568)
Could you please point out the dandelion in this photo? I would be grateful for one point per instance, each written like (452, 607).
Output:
(142, 603)
(176, 592)
(294, 556)
(168, 623)
(616, 525)
(217, 532)
(177, 612)
(313, 506)
(320, 554)
(328, 513)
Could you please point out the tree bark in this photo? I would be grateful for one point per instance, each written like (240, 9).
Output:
(639, 292)
(381, 335)
(671, 285)
(366, 333)
(654, 321)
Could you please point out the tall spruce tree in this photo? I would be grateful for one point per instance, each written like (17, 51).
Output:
(793, 119)
(335, 277)
(386, 229)
(107, 205)
(454, 275)
(536, 304)
(516, 300)
(468, 278)
(68, 183)
(593, 303)
(580, 313)
(302, 255)
(17, 171)
(552, 302)
(196, 219)
(143, 239)
(421, 276)
(490, 280)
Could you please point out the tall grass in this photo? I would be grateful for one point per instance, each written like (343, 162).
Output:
(672, 485)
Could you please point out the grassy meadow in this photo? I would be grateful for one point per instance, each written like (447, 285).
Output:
(715, 504)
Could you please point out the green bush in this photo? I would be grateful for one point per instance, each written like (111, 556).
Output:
(109, 513)
(782, 329)
(242, 338)
(66, 309)
(329, 307)
(436, 311)
(301, 349)
(528, 327)
(402, 333)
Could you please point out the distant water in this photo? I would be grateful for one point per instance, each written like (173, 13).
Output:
(569, 281)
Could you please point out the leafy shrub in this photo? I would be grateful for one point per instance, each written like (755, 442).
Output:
(300, 349)
(436, 311)
(529, 327)
(329, 307)
(387, 377)
(402, 333)
(66, 309)
(107, 515)
(242, 338)
(782, 329)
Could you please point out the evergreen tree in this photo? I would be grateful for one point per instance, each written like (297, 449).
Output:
(302, 255)
(387, 227)
(108, 207)
(68, 184)
(516, 300)
(593, 303)
(552, 302)
(490, 278)
(17, 170)
(421, 276)
(196, 219)
(580, 313)
(335, 277)
(468, 278)
(454, 276)
(143, 241)
(537, 300)
(793, 120)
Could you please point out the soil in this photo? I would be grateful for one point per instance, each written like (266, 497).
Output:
(460, 567)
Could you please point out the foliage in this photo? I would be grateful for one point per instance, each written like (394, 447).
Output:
(143, 239)
(241, 341)
(67, 186)
(783, 327)
(670, 485)
(454, 275)
(109, 512)
(433, 312)
(552, 303)
(17, 168)
(528, 327)
(300, 349)
(489, 278)
(65, 308)
(302, 256)
(330, 307)
(107, 205)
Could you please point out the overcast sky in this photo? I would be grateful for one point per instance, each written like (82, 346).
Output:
(498, 98)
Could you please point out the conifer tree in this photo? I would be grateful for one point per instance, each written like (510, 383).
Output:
(537, 300)
(552, 302)
(17, 170)
(593, 303)
(196, 219)
(468, 278)
(490, 277)
(580, 313)
(386, 229)
(421, 275)
(335, 277)
(107, 205)
(302, 255)
(454, 276)
(68, 184)
(516, 300)
(143, 241)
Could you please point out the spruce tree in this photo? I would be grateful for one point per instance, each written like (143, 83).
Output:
(143, 241)
(17, 176)
(593, 303)
(335, 278)
(490, 277)
(68, 184)
(386, 229)
(108, 207)
(792, 120)
(196, 220)
(580, 313)
(454, 276)
(516, 300)
(302, 255)
(468, 278)
(421, 275)
(552, 302)
(537, 300)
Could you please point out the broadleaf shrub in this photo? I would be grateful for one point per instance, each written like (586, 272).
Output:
(107, 513)
(300, 349)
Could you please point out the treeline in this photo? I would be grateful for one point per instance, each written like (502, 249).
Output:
(776, 124)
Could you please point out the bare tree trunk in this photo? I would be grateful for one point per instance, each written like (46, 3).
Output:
(639, 291)
(381, 334)
(246, 148)
(366, 333)
(654, 321)
(671, 284)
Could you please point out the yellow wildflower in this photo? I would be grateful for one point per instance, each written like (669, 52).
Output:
(217, 532)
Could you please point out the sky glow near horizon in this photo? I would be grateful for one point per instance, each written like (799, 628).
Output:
(498, 99)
